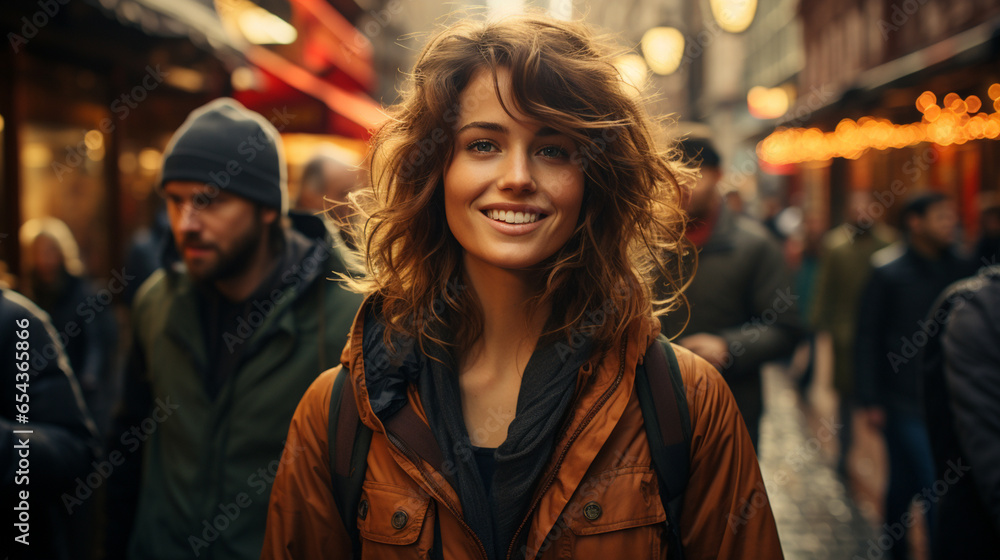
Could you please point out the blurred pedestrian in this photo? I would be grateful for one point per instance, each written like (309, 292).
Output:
(743, 312)
(988, 247)
(771, 209)
(802, 250)
(327, 180)
(734, 200)
(40, 395)
(146, 253)
(7, 280)
(845, 264)
(961, 374)
(892, 327)
(509, 304)
(55, 279)
(226, 342)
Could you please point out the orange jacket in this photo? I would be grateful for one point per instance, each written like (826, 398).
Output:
(726, 512)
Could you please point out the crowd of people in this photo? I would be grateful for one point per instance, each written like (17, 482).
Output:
(464, 353)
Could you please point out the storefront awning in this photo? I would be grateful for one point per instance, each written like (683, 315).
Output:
(969, 47)
(336, 78)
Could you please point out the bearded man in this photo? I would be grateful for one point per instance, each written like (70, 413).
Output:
(226, 340)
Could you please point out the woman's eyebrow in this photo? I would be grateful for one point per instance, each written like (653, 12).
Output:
(491, 126)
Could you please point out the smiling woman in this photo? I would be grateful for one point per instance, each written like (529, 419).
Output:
(519, 208)
(538, 110)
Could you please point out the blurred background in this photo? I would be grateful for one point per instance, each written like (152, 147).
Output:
(92, 90)
(808, 101)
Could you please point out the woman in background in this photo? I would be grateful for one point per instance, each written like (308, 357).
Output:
(55, 280)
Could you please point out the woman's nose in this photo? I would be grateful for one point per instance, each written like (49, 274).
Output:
(517, 174)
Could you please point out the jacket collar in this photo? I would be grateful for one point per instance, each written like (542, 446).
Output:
(603, 393)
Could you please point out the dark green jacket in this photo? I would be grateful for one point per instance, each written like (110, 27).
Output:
(845, 265)
(208, 464)
(742, 292)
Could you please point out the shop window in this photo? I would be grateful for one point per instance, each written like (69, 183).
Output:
(62, 175)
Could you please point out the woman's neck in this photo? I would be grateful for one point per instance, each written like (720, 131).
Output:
(510, 327)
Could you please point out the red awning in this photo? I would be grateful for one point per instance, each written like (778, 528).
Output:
(348, 113)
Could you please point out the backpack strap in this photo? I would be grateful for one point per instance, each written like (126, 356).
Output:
(663, 401)
(348, 440)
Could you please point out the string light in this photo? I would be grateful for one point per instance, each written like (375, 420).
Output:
(954, 121)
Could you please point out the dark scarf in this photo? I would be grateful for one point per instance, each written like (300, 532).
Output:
(546, 392)
(221, 316)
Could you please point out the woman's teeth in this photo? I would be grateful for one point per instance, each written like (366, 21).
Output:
(511, 217)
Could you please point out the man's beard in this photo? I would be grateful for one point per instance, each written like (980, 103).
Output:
(236, 261)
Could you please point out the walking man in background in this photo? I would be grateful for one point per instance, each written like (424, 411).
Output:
(845, 263)
(327, 180)
(226, 340)
(892, 327)
(742, 310)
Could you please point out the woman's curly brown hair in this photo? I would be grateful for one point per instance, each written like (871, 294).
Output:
(630, 231)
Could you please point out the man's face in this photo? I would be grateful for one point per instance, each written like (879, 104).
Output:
(937, 225)
(857, 206)
(216, 232)
(340, 182)
(705, 194)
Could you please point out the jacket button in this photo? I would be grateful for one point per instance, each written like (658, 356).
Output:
(592, 511)
(399, 519)
(363, 509)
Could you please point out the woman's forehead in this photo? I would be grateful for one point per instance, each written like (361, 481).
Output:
(478, 102)
(480, 94)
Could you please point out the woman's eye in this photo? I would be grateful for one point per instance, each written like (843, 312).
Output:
(553, 152)
(481, 146)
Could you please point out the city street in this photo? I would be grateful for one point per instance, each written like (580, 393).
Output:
(471, 205)
(816, 518)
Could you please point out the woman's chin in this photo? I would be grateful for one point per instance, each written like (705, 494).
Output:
(513, 262)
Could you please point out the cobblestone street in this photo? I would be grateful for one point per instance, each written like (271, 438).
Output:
(816, 518)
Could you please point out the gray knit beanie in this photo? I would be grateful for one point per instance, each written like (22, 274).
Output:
(231, 147)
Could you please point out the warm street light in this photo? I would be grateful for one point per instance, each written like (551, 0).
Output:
(633, 72)
(955, 121)
(767, 103)
(734, 16)
(262, 28)
(255, 24)
(663, 48)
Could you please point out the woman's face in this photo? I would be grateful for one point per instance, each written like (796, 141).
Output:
(48, 259)
(512, 196)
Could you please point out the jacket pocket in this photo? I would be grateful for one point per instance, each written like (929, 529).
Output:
(391, 522)
(616, 514)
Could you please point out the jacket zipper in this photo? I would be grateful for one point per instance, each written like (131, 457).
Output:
(562, 455)
(405, 450)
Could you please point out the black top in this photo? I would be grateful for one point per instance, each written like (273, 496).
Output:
(893, 326)
(961, 369)
(486, 461)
